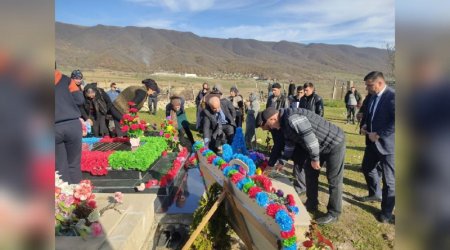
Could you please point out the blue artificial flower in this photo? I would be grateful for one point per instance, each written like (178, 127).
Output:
(227, 152)
(283, 220)
(226, 170)
(90, 140)
(240, 185)
(292, 247)
(238, 144)
(262, 199)
(216, 161)
(251, 165)
(294, 209)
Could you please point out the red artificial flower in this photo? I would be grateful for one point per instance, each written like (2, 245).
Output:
(211, 158)
(92, 204)
(288, 234)
(223, 166)
(125, 128)
(131, 104)
(273, 208)
(170, 122)
(291, 200)
(164, 153)
(134, 127)
(308, 243)
(236, 177)
(127, 117)
(57, 190)
(253, 191)
(133, 110)
(143, 122)
(142, 126)
(263, 181)
(167, 136)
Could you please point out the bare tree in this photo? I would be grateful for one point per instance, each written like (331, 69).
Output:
(390, 48)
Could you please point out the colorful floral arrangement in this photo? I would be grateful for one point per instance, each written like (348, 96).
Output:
(169, 132)
(131, 124)
(141, 158)
(259, 159)
(76, 212)
(108, 139)
(278, 206)
(95, 162)
(177, 164)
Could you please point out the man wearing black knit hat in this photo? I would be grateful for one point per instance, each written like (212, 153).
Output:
(277, 100)
(320, 141)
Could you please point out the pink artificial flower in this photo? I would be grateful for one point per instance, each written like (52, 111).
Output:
(83, 191)
(125, 128)
(118, 197)
(161, 133)
(134, 127)
(96, 229)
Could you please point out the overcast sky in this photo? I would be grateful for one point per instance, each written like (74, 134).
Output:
(367, 23)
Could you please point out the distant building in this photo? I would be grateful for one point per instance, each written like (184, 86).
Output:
(190, 75)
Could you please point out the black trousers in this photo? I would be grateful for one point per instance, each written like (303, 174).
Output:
(351, 113)
(68, 137)
(299, 158)
(335, 174)
(226, 137)
(374, 167)
(187, 131)
(239, 118)
(152, 105)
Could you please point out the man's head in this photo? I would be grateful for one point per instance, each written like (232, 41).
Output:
(176, 103)
(276, 89)
(353, 89)
(374, 82)
(233, 91)
(308, 88)
(77, 76)
(259, 123)
(214, 104)
(300, 91)
(113, 86)
(151, 86)
(270, 118)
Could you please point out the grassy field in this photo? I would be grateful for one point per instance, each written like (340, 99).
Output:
(357, 227)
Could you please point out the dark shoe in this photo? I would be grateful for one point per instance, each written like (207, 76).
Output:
(384, 219)
(372, 198)
(327, 219)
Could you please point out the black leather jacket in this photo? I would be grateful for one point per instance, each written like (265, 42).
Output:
(313, 102)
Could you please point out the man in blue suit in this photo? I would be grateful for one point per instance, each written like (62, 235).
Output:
(379, 127)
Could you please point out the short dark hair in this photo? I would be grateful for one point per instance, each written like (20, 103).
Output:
(299, 88)
(308, 85)
(373, 76)
(276, 86)
(113, 84)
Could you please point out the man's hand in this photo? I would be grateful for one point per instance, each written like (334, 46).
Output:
(315, 165)
(373, 136)
(279, 166)
(90, 122)
(364, 130)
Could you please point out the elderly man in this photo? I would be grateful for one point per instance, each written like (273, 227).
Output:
(277, 99)
(379, 127)
(321, 141)
(218, 122)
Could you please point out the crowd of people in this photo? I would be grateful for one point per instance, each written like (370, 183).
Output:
(295, 121)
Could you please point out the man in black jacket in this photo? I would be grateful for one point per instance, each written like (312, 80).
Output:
(218, 122)
(198, 103)
(321, 141)
(95, 109)
(311, 101)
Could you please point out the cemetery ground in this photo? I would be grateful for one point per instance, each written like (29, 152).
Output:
(357, 227)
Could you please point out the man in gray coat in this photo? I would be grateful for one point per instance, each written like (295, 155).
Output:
(218, 122)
